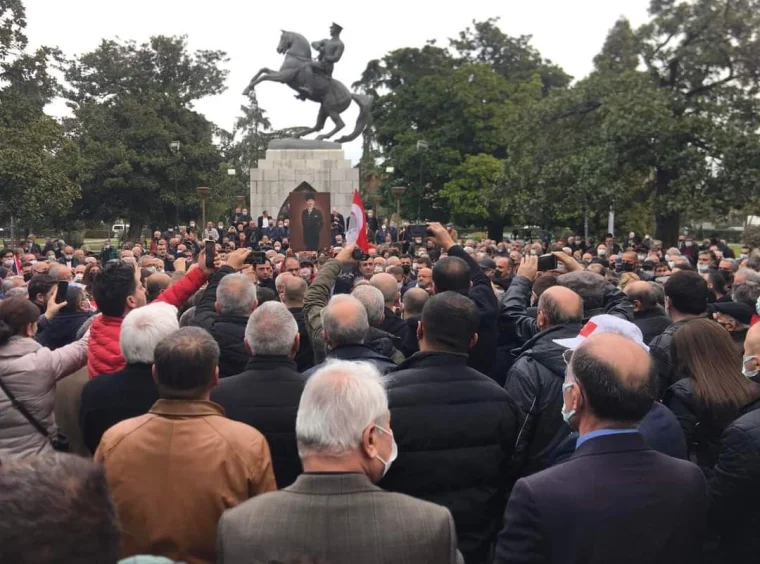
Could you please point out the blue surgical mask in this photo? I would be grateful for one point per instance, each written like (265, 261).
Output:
(566, 415)
(748, 373)
(394, 451)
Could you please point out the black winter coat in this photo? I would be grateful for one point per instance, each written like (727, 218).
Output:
(362, 353)
(733, 490)
(482, 357)
(228, 330)
(229, 333)
(455, 430)
(702, 429)
(266, 397)
(62, 329)
(535, 384)
(659, 349)
(410, 345)
(305, 356)
(651, 323)
(394, 325)
(111, 398)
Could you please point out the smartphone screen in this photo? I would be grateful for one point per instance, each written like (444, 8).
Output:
(547, 262)
(210, 253)
(60, 295)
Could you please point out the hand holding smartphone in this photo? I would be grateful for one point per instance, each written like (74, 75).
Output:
(60, 294)
(210, 253)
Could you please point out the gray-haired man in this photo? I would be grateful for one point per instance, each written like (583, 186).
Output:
(346, 444)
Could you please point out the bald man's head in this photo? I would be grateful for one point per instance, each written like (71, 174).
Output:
(387, 285)
(414, 301)
(558, 306)
(294, 290)
(752, 341)
(344, 321)
(642, 295)
(156, 284)
(616, 380)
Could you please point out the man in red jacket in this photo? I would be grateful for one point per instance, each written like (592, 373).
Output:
(117, 291)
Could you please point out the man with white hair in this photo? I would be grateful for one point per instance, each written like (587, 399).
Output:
(346, 444)
(111, 398)
(345, 325)
(390, 288)
(266, 395)
(381, 341)
(223, 311)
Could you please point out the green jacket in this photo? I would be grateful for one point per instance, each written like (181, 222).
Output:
(315, 301)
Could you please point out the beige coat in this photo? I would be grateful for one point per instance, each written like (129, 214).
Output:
(30, 372)
(175, 470)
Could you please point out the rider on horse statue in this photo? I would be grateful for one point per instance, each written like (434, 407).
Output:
(330, 51)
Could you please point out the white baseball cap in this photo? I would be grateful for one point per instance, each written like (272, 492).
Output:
(605, 324)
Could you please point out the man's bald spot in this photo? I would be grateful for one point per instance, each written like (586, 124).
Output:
(414, 300)
(752, 341)
(159, 279)
(294, 288)
(565, 299)
(630, 363)
(387, 285)
(638, 287)
(345, 310)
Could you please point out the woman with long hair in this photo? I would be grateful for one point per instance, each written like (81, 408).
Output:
(28, 374)
(710, 390)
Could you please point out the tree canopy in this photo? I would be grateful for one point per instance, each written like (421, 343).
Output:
(130, 103)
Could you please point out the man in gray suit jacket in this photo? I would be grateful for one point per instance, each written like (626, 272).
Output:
(333, 513)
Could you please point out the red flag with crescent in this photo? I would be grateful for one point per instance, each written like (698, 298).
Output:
(357, 226)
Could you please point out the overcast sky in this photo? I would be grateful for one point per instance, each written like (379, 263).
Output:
(568, 33)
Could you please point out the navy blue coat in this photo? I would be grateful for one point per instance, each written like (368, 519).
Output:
(615, 500)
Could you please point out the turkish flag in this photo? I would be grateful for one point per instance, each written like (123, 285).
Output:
(357, 228)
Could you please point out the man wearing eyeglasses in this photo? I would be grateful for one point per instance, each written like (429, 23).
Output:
(615, 499)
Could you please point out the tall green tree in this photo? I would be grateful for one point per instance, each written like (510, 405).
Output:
(38, 165)
(457, 99)
(130, 103)
(668, 121)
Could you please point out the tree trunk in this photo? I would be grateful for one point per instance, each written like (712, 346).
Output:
(667, 228)
(135, 230)
(668, 222)
(496, 229)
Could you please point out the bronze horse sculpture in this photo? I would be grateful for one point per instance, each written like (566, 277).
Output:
(332, 95)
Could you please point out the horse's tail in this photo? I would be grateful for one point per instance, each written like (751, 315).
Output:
(365, 110)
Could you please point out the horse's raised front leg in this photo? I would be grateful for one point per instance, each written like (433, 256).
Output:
(255, 81)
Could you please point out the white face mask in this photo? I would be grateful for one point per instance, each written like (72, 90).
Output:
(602, 252)
(671, 264)
(400, 285)
(305, 273)
(394, 451)
(379, 270)
(702, 268)
(78, 277)
(566, 415)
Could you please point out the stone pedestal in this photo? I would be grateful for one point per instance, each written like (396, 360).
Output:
(291, 162)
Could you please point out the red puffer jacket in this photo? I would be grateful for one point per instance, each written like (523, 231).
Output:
(104, 353)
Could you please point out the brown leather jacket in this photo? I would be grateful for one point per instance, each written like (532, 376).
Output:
(175, 470)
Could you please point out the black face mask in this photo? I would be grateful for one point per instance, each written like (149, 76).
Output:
(626, 267)
(406, 268)
(27, 276)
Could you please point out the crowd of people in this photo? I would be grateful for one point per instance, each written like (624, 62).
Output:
(425, 400)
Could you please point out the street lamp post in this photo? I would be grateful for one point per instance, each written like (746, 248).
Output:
(175, 146)
(422, 147)
(203, 193)
(398, 191)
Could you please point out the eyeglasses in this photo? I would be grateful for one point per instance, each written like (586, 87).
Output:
(567, 356)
